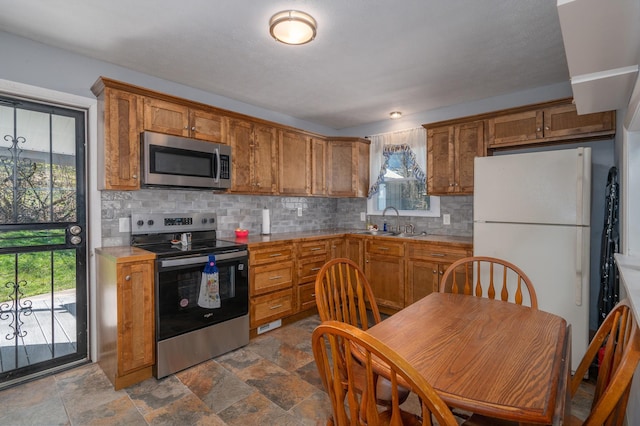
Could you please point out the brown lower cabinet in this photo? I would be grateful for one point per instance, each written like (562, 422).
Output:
(400, 271)
(125, 314)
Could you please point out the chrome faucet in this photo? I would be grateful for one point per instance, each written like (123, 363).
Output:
(397, 216)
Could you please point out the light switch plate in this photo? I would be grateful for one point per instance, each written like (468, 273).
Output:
(446, 219)
(299, 211)
(363, 216)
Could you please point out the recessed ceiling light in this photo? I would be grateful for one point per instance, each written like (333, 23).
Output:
(292, 27)
(395, 115)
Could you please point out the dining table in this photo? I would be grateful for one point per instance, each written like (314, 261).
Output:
(485, 356)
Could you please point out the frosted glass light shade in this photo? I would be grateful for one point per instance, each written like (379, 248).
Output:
(292, 27)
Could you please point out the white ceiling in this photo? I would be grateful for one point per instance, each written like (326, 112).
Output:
(370, 57)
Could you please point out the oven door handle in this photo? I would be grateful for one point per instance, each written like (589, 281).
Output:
(201, 259)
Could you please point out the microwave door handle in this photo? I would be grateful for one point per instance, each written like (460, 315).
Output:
(217, 151)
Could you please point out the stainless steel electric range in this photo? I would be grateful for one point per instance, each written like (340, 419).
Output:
(189, 330)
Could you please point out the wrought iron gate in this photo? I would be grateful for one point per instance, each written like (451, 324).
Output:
(43, 287)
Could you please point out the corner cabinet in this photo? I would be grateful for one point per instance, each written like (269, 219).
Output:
(450, 154)
(254, 147)
(347, 167)
(384, 268)
(126, 314)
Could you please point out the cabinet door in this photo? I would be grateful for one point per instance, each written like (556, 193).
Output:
(294, 150)
(121, 155)
(524, 126)
(422, 279)
(564, 120)
(362, 176)
(440, 160)
(469, 145)
(354, 250)
(206, 126)
(337, 248)
(240, 138)
(264, 159)
(386, 276)
(341, 158)
(136, 326)
(318, 166)
(166, 117)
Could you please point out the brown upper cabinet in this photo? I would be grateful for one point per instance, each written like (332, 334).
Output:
(119, 155)
(175, 119)
(548, 124)
(294, 150)
(254, 158)
(318, 166)
(347, 167)
(267, 158)
(450, 154)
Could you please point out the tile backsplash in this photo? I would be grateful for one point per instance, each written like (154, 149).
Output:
(245, 211)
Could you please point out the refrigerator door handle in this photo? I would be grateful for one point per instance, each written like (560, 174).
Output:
(578, 282)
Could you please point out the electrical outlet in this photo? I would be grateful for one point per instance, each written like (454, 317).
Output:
(363, 216)
(299, 211)
(124, 224)
(446, 219)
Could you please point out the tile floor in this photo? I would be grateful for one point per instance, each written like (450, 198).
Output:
(271, 381)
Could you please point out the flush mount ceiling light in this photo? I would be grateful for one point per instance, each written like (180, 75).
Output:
(395, 115)
(292, 27)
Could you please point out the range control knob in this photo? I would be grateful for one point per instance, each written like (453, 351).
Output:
(140, 222)
(150, 222)
(212, 219)
(204, 220)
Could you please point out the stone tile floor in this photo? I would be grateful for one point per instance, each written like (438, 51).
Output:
(271, 381)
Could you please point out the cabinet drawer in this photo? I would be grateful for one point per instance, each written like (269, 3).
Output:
(308, 268)
(307, 296)
(384, 247)
(279, 253)
(271, 277)
(436, 253)
(313, 248)
(271, 307)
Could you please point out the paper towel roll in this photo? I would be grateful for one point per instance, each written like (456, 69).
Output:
(266, 222)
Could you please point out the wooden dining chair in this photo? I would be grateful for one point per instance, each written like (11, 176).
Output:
(618, 342)
(490, 277)
(334, 346)
(343, 294)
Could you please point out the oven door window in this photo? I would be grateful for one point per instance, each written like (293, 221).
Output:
(182, 162)
(179, 292)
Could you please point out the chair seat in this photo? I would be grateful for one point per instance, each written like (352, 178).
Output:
(383, 386)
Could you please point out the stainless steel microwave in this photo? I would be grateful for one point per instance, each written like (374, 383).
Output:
(175, 161)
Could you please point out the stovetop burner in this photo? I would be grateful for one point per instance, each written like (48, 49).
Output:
(158, 232)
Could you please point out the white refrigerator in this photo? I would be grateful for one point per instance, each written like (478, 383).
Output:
(533, 210)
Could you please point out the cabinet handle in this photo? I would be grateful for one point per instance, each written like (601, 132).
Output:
(127, 278)
(547, 128)
(383, 248)
(315, 269)
(134, 176)
(276, 306)
(538, 129)
(193, 128)
(316, 248)
(275, 255)
(441, 272)
(277, 277)
(438, 254)
(313, 295)
(450, 184)
(435, 272)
